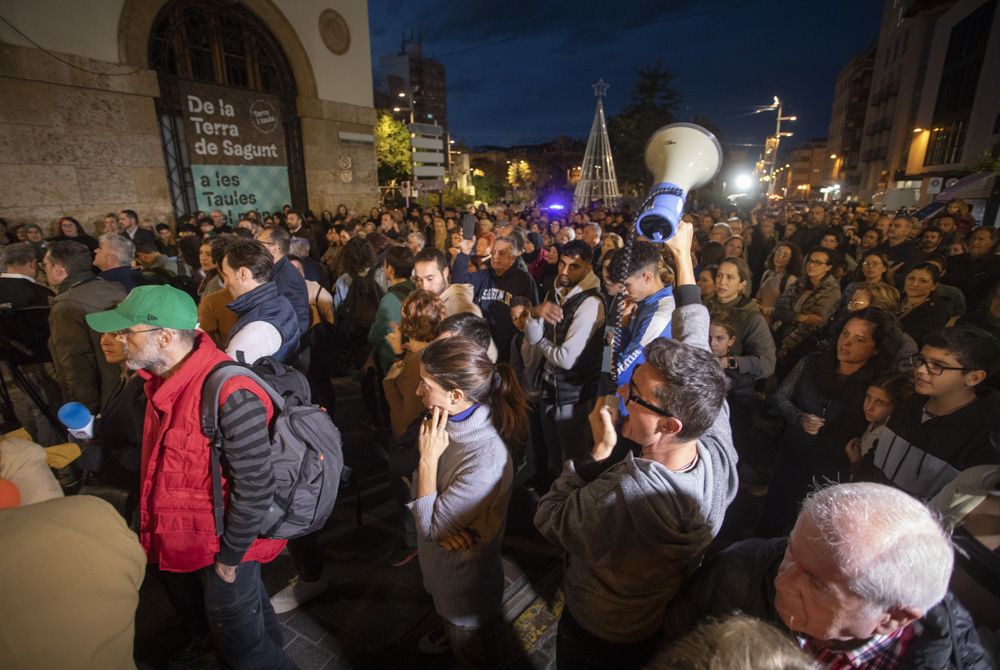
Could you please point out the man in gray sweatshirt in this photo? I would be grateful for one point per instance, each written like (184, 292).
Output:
(637, 521)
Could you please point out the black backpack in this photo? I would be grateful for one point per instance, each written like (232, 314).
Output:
(306, 448)
(360, 305)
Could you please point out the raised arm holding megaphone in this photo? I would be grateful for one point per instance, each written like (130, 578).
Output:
(681, 157)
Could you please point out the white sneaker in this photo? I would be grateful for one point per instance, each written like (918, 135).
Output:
(298, 592)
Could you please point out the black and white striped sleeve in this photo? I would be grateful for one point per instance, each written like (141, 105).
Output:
(246, 460)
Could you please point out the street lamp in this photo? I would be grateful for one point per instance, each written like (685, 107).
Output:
(409, 108)
(775, 139)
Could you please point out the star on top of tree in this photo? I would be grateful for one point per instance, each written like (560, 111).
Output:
(600, 88)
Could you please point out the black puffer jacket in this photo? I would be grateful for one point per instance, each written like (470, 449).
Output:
(742, 578)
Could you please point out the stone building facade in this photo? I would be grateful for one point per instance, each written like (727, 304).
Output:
(86, 101)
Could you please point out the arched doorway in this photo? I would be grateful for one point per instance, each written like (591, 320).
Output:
(228, 121)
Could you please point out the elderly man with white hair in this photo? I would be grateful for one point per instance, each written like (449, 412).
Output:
(861, 582)
(114, 258)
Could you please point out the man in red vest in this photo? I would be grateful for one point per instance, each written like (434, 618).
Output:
(157, 326)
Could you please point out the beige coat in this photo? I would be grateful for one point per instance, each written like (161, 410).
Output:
(23, 463)
(71, 575)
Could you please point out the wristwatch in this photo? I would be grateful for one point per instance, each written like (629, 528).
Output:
(731, 363)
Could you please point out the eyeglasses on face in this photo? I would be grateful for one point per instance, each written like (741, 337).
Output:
(816, 261)
(917, 360)
(634, 397)
(128, 331)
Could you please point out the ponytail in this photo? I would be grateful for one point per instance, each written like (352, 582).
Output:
(509, 406)
(462, 363)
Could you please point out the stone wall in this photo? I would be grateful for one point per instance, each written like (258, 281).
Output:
(82, 144)
(75, 143)
(338, 172)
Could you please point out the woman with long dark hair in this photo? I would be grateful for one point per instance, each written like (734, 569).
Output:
(71, 230)
(211, 280)
(461, 488)
(189, 254)
(822, 403)
(752, 350)
(919, 313)
(807, 305)
(782, 268)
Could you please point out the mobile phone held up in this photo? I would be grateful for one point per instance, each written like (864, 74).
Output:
(468, 226)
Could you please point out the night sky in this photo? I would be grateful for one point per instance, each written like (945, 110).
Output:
(520, 71)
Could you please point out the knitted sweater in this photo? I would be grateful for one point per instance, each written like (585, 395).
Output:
(473, 488)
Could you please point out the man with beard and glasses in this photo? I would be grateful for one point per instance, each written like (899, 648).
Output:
(212, 580)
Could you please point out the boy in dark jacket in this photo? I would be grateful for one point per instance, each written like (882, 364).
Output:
(953, 422)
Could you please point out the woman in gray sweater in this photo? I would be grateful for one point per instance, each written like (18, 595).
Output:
(461, 489)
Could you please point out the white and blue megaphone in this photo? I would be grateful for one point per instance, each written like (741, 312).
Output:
(681, 156)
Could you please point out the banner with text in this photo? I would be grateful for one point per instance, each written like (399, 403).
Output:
(236, 145)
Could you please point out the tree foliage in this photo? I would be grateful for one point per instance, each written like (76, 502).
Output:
(988, 162)
(519, 174)
(392, 150)
(489, 184)
(654, 103)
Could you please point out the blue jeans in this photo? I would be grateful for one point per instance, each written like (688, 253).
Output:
(244, 629)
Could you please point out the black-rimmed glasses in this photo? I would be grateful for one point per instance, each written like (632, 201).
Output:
(916, 360)
(634, 397)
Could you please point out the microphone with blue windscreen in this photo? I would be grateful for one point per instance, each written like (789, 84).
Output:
(78, 420)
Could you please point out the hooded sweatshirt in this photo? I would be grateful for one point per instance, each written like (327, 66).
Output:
(493, 294)
(633, 534)
(920, 457)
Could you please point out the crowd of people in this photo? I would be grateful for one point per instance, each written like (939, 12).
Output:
(837, 361)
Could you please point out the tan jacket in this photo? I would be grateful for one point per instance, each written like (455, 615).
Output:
(23, 463)
(400, 386)
(215, 318)
(71, 575)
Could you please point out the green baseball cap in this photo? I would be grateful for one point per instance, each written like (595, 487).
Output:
(160, 306)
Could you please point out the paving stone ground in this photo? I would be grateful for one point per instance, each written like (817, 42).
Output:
(374, 614)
